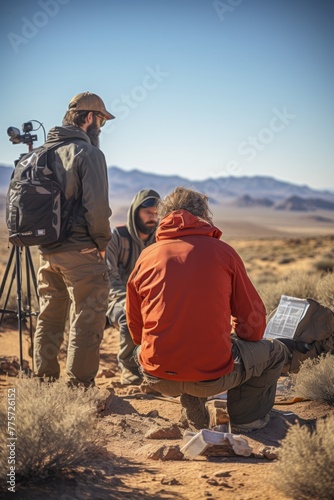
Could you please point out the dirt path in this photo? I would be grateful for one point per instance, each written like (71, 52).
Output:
(123, 469)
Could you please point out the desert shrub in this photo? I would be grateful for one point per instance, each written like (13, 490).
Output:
(286, 260)
(326, 265)
(306, 462)
(55, 428)
(302, 285)
(265, 277)
(297, 284)
(315, 379)
(325, 290)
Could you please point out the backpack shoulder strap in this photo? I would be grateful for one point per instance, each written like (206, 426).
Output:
(126, 251)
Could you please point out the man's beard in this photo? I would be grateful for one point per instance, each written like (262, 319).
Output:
(144, 228)
(93, 133)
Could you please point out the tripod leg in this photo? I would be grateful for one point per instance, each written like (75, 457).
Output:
(20, 313)
(3, 283)
(30, 272)
(19, 300)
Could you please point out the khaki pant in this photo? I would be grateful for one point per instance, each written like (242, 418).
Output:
(251, 386)
(75, 283)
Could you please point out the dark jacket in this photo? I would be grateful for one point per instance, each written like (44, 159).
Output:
(118, 273)
(82, 172)
(181, 297)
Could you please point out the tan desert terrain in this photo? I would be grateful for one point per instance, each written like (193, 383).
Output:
(272, 245)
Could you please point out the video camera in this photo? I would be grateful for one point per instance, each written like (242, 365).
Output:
(16, 137)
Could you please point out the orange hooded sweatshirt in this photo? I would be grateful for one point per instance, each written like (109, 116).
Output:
(181, 297)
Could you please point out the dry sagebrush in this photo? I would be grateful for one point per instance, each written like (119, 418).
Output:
(315, 380)
(306, 462)
(325, 290)
(299, 284)
(55, 427)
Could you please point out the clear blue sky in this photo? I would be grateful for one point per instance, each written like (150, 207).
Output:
(199, 88)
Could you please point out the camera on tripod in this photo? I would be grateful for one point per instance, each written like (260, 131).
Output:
(24, 304)
(16, 137)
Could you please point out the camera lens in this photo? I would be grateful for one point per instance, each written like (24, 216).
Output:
(13, 132)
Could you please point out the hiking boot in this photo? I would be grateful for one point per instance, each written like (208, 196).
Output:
(252, 426)
(130, 378)
(194, 413)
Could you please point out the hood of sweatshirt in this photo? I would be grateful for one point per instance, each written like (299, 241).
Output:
(68, 133)
(180, 223)
(139, 198)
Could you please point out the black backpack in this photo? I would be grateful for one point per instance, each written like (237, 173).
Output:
(314, 335)
(126, 250)
(36, 210)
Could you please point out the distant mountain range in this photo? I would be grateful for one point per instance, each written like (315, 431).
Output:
(244, 191)
(241, 191)
(292, 203)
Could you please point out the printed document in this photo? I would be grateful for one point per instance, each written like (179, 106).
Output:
(289, 313)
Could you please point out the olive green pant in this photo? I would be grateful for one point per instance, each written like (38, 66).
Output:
(251, 386)
(71, 285)
(117, 317)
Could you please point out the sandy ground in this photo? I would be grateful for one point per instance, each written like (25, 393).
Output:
(123, 470)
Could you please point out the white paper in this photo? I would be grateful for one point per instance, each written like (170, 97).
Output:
(289, 313)
(197, 444)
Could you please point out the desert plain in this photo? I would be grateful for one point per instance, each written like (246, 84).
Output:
(273, 244)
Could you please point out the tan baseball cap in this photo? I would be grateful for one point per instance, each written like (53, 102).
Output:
(86, 101)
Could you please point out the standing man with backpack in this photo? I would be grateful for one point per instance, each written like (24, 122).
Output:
(126, 244)
(73, 275)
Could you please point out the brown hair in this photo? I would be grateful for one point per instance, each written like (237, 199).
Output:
(76, 118)
(185, 199)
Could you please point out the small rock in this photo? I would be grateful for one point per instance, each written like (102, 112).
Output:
(163, 453)
(170, 432)
(104, 404)
(170, 482)
(222, 474)
(224, 485)
(172, 453)
(153, 413)
(270, 452)
(213, 482)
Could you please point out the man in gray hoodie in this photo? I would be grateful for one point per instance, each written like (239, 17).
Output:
(126, 244)
(73, 275)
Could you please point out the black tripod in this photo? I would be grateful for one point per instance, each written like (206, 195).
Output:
(24, 307)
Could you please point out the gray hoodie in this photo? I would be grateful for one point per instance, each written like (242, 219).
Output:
(118, 274)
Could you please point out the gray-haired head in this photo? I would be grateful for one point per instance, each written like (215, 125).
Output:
(182, 198)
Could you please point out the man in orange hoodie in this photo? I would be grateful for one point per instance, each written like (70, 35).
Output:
(199, 321)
